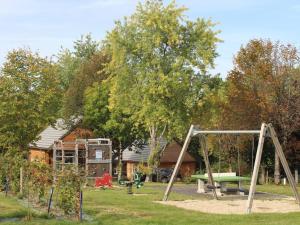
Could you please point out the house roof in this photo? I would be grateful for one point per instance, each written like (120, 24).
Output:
(51, 134)
(139, 154)
(170, 153)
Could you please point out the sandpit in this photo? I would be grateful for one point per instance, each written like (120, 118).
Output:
(236, 206)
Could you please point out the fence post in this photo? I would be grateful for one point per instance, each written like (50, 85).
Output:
(21, 180)
(6, 186)
(50, 199)
(80, 206)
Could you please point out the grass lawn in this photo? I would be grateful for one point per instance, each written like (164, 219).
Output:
(117, 207)
(9, 207)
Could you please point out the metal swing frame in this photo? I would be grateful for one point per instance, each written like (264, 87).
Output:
(267, 130)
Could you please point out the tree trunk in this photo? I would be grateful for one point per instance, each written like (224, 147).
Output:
(153, 148)
(262, 177)
(230, 168)
(120, 162)
(277, 169)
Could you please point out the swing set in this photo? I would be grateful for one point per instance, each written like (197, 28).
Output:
(267, 130)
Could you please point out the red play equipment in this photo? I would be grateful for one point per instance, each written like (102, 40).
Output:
(104, 182)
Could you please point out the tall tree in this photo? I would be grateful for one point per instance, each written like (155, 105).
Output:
(158, 60)
(69, 61)
(264, 87)
(89, 72)
(30, 97)
(107, 123)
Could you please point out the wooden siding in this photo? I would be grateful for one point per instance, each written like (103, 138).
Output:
(171, 154)
(40, 155)
(78, 133)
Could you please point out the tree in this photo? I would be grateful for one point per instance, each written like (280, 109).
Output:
(30, 98)
(69, 61)
(158, 60)
(264, 87)
(78, 69)
(106, 123)
(89, 72)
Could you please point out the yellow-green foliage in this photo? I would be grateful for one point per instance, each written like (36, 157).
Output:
(68, 186)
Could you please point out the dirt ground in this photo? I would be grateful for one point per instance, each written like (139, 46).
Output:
(236, 206)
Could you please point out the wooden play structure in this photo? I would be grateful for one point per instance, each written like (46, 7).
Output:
(94, 156)
(266, 130)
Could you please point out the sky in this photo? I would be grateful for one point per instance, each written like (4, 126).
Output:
(47, 25)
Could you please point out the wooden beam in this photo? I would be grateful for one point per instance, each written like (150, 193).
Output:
(62, 156)
(284, 163)
(54, 156)
(226, 132)
(76, 156)
(178, 163)
(208, 168)
(256, 167)
(86, 157)
(110, 157)
(21, 180)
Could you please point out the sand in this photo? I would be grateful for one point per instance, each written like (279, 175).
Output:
(236, 206)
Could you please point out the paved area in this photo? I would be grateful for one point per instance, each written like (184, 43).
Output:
(191, 190)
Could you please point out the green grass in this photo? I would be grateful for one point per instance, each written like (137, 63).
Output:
(117, 207)
(9, 207)
(278, 189)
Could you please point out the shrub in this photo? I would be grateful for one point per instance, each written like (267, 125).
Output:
(39, 177)
(10, 164)
(68, 186)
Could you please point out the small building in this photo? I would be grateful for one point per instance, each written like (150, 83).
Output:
(170, 153)
(42, 149)
(61, 145)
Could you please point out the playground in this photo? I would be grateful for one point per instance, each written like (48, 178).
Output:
(175, 113)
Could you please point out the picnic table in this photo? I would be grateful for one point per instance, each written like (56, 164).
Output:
(221, 180)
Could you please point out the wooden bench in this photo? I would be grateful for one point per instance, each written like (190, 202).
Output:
(221, 180)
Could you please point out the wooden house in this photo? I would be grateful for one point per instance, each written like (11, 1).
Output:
(61, 146)
(170, 153)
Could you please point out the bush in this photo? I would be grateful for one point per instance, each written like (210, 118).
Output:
(39, 177)
(10, 164)
(68, 186)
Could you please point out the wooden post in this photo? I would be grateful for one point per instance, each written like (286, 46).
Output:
(110, 158)
(54, 156)
(256, 167)
(80, 206)
(86, 159)
(6, 186)
(178, 163)
(50, 200)
(62, 156)
(296, 176)
(76, 156)
(208, 168)
(21, 180)
(284, 163)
